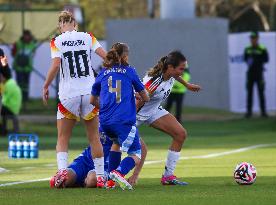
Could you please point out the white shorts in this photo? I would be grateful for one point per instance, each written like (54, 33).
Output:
(160, 112)
(76, 107)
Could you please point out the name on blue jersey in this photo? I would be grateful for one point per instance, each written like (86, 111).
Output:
(115, 70)
(73, 43)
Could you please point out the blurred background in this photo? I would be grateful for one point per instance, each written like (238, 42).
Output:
(211, 33)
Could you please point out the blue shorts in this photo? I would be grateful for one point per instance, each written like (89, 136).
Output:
(82, 165)
(126, 136)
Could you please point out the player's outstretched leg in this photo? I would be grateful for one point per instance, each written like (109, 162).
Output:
(119, 178)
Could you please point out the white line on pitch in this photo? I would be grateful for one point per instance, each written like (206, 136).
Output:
(24, 182)
(219, 154)
(212, 155)
(2, 170)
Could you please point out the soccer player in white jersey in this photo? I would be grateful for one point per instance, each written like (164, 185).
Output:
(71, 57)
(158, 82)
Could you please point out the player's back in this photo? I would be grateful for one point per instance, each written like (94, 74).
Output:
(117, 102)
(76, 74)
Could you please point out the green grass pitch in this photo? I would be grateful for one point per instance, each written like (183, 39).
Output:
(210, 179)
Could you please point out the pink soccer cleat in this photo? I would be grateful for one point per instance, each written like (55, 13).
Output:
(172, 180)
(110, 184)
(100, 182)
(58, 181)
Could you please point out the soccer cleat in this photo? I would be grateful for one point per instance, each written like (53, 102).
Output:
(172, 180)
(100, 182)
(110, 184)
(52, 182)
(58, 181)
(119, 178)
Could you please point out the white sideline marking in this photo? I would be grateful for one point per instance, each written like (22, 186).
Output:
(212, 155)
(2, 170)
(27, 168)
(24, 182)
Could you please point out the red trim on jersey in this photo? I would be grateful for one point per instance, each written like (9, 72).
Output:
(153, 84)
(67, 114)
(53, 45)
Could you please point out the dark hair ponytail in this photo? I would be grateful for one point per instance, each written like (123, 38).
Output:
(174, 58)
(115, 55)
(158, 68)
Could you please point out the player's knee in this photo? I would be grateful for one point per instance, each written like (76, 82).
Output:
(181, 135)
(91, 180)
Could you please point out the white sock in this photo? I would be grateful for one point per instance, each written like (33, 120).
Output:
(172, 159)
(62, 159)
(99, 166)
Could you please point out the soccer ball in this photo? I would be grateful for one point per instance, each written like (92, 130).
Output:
(245, 173)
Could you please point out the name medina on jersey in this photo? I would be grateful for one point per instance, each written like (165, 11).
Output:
(73, 43)
(115, 70)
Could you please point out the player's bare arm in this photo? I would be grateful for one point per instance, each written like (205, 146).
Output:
(189, 86)
(94, 100)
(101, 52)
(50, 77)
(141, 98)
(134, 177)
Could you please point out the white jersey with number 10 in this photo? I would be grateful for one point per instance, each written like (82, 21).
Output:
(76, 73)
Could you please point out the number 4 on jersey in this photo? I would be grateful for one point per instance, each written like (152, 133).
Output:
(116, 90)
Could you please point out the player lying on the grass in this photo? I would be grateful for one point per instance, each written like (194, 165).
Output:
(70, 53)
(81, 172)
(113, 93)
(158, 82)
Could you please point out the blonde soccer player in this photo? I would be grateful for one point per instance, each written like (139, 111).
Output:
(71, 57)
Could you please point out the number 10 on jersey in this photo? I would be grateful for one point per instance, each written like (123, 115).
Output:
(116, 90)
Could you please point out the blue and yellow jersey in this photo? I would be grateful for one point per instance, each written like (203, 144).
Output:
(115, 88)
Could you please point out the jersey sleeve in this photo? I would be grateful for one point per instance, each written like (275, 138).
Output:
(136, 82)
(55, 52)
(94, 42)
(96, 88)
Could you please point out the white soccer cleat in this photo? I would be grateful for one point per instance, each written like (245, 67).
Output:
(119, 178)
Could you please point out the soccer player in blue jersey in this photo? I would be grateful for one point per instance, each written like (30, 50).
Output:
(81, 172)
(113, 93)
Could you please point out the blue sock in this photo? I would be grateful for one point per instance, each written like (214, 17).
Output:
(114, 160)
(126, 165)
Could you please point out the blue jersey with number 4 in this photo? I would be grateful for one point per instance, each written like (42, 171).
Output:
(115, 88)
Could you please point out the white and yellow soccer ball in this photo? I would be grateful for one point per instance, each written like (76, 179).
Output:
(245, 173)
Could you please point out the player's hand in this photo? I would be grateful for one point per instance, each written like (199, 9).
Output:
(4, 61)
(45, 95)
(138, 97)
(193, 87)
(133, 179)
